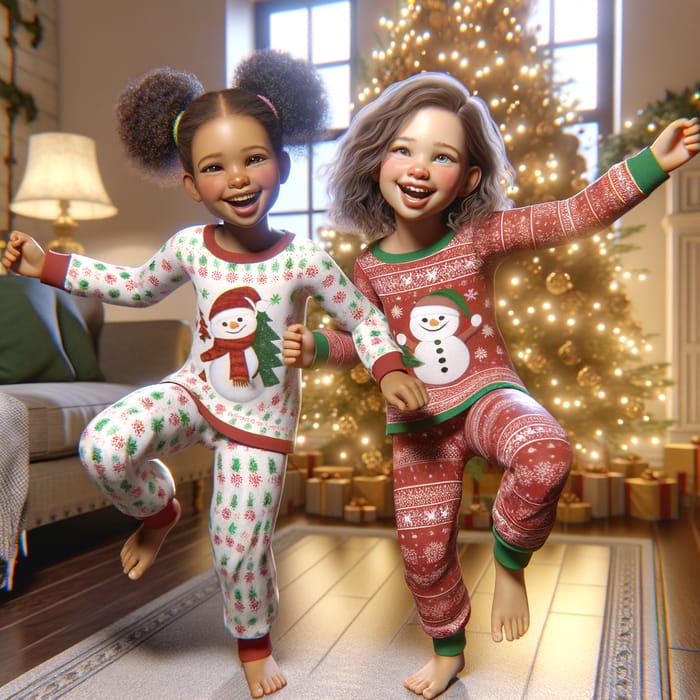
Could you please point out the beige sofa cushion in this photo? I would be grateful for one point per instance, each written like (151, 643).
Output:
(59, 412)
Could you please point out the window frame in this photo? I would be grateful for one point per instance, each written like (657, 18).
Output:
(603, 113)
(263, 10)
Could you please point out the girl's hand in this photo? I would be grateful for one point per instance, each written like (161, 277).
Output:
(403, 391)
(298, 346)
(677, 143)
(23, 255)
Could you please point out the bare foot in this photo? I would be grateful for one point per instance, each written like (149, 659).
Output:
(435, 676)
(141, 549)
(264, 676)
(510, 612)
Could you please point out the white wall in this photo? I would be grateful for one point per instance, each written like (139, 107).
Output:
(659, 51)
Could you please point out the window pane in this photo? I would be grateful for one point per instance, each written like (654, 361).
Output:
(337, 80)
(575, 20)
(289, 31)
(294, 194)
(330, 31)
(539, 20)
(587, 134)
(296, 223)
(323, 154)
(578, 66)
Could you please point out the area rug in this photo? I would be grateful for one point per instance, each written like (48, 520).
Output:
(176, 647)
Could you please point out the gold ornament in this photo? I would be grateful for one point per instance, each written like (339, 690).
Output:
(347, 426)
(568, 353)
(375, 402)
(536, 362)
(618, 303)
(588, 377)
(573, 302)
(359, 374)
(372, 459)
(558, 282)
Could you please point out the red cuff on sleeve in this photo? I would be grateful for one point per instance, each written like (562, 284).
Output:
(391, 362)
(55, 269)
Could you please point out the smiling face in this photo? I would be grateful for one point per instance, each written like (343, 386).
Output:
(433, 323)
(234, 323)
(237, 175)
(426, 168)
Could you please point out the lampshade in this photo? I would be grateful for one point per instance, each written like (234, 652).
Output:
(62, 178)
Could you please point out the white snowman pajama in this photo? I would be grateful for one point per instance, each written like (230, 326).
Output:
(233, 394)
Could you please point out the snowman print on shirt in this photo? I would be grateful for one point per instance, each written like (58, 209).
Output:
(440, 324)
(239, 333)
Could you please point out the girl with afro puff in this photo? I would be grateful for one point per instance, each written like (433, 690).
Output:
(421, 172)
(234, 393)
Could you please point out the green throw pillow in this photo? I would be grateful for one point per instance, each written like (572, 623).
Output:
(77, 339)
(30, 339)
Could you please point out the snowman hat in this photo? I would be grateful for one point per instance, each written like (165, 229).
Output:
(449, 302)
(238, 298)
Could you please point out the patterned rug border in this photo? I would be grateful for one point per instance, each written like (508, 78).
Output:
(622, 671)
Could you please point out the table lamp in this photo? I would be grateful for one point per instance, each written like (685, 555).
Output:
(62, 183)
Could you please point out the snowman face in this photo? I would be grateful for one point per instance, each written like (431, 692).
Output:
(433, 323)
(234, 323)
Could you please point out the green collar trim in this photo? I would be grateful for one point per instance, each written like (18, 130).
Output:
(415, 255)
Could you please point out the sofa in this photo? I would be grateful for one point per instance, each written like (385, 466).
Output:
(64, 364)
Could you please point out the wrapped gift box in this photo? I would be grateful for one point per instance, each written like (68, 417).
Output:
(360, 511)
(605, 491)
(293, 491)
(305, 461)
(333, 471)
(629, 466)
(327, 496)
(377, 491)
(571, 509)
(682, 461)
(478, 517)
(652, 498)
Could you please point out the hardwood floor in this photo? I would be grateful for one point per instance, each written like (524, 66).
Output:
(71, 585)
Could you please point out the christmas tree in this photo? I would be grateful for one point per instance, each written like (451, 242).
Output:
(564, 312)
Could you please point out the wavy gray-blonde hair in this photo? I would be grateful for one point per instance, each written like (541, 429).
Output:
(357, 203)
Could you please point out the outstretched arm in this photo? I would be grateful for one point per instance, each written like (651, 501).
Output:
(400, 389)
(677, 143)
(23, 255)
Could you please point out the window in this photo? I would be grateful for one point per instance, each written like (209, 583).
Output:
(580, 37)
(320, 32)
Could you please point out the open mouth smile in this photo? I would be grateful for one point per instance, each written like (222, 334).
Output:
(416, 192)
(243, 200)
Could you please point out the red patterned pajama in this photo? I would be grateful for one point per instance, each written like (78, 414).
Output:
(507, 427)
(121, 450)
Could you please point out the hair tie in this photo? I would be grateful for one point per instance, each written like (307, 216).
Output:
(176, 124)
(269, 104)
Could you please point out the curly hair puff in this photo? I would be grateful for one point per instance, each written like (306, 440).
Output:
(293, 87)
(146, 111)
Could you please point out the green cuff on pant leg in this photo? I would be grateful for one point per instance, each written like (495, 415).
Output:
(450, 646)
(509, 555)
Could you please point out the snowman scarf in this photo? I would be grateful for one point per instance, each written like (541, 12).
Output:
(235, 349)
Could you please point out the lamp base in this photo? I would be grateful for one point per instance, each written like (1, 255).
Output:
(65, 245)
(64, 242)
